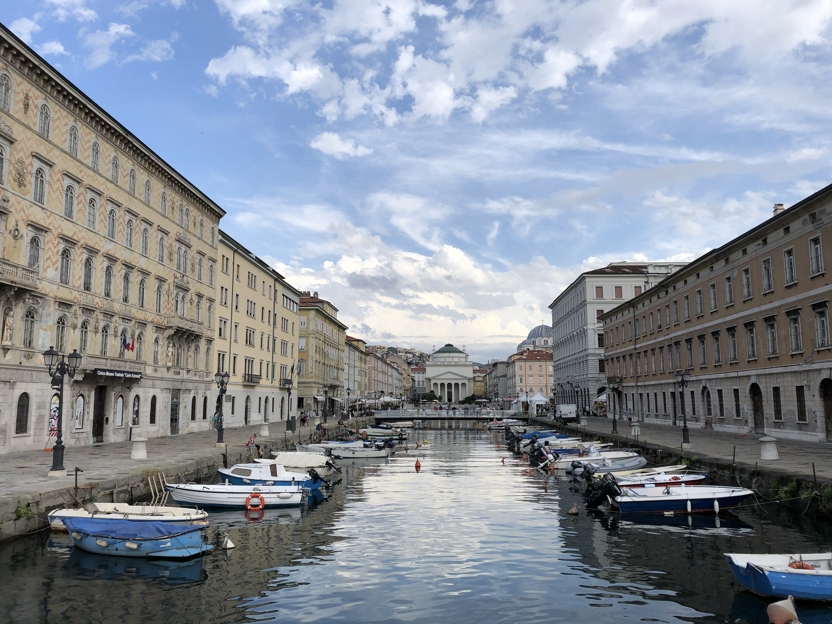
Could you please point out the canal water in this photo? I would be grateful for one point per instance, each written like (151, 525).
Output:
(468, 539)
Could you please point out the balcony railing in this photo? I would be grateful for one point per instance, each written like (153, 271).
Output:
(183, 324)
(285, 382)
(251, 378)
(91, 362)
(17, 275)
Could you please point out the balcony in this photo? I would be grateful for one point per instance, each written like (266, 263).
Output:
(187, 326)
(91, 362)
(250, 379)
(286, 382)
(17, 275)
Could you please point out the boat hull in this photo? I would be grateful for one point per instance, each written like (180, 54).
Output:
(233, 497)
(129, 538)
(782, 581)
(679, 498)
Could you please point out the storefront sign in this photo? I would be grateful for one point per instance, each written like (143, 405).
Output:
(108, 372)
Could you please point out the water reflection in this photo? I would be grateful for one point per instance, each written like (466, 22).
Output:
(467, 539)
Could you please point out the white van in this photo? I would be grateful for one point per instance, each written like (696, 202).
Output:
(567, 411)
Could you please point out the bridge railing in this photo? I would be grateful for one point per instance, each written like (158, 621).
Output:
(415, 414)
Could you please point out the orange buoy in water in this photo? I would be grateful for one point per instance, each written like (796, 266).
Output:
(545, 488)
(418, 465)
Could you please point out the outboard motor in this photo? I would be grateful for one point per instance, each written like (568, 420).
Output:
(332, 465)
(588, 472)
(313, 474)
(609, 489)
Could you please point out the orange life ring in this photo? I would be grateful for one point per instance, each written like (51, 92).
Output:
(799, 565)
(675, 478)
(252, 496)
(254, 515)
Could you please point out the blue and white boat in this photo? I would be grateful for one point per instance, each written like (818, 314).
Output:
(129, 538)
(269, 474)
(681, 499)
(806, 577)
(236, 496)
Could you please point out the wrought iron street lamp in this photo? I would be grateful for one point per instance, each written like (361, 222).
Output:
(59, 367)
(614, 385)
(348, 402)
(683, 378)
(221, 379)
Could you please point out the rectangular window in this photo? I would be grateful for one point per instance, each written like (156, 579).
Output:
(737, 413)
(788, 266)
(746, 284)
(714, 301)
(729, 291)
(664, 402)
(732, 346)
(689, 348)
(223, 328)
(602, 366)
(237, 303)
(692, 403)
(599, 292)
(795, 336)
(801, 404)
(771, 337)
(661, 359)
(686, 307)
(284, 348)
(659, 319)
(703, 357)
(236, 328)
(699, 302)
(601, 341)
(717, 350)
(233, 402)
(815, 256)
(751, 342)
(651, 322)
(599, 313)
(768, 278)
(249, 337)
(619, 292)
(778, 406)
(223, 296)
(720, 403)
(675, 312)
(636, 291)
(233, 364)
(822, 328)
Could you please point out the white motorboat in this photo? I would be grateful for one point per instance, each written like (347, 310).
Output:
(123, 511)
(361, 453)
(384, 431)
(651, 471)
(238, 496)
(505, 423)
(595, 456)
(302, 461)
(269, 474)
(633, 461)
(682, 499)
(405, 424)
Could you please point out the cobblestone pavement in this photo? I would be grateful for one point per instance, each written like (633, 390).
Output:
(795, 457)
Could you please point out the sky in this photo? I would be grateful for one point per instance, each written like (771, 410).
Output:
(441, 170)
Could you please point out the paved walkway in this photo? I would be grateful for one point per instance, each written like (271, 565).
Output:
(795, 457)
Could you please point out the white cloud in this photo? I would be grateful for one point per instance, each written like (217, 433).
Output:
(807, 153)
(101, 42)
(76, 9)
(332, 144)
(53, 47)
(157, 51)
(24, 28)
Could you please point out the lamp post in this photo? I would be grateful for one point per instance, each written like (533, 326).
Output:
(577, 390)
(221, 379)
(59, 367)
(614, 384)
(348, 402)
(326, 403)
(683, 378)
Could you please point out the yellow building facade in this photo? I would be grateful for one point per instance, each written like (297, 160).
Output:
(321, 345)
(356, 371)
(104, 248)
(257, 337)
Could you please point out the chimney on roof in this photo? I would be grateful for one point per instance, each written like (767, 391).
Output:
(316, 292)
(778, 208)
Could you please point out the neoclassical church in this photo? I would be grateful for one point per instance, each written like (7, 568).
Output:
(449, 374)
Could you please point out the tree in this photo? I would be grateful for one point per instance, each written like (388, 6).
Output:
(430, 396)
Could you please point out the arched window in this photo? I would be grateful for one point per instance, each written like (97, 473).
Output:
(208, 357)
(210, 316)
(44, 120)
(139, 347)
(199, 269)
(60, 334)
(69, 201)
(187, 219)
(5, 92)
(21, 424)
(125, 287)
(34, 253)
(39, 188)
(158, 298)
(210, 274)
(201, 229)
(185, 261)
(147, 191)
(145, 240)
(193, 408)
(142, 292)
(91, 214)
(196, 358)
(212, 237)
(79, 411)
(136, 410)
(72, 142)
(176, 304)
(84, 337)
(122, 341)
(105, 339)
(179, 259)
(111, 224)
(161, 253)
(119, 411)
(205, 408)
(2, 166)
(156, 347)
(66, 265)
(95, 156)
(131, 182)
(114, 166)
(108, 281)
(163, 204)
(198, 310)
(88, 274)
(128, 234)
(153, 410)
(29, 329)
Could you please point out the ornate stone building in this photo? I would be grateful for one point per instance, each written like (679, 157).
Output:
(450, 374)
(104, 248)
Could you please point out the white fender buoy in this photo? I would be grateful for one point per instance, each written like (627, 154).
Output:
(716, 507)
(227, 544)
(688, 505)
(574, 511)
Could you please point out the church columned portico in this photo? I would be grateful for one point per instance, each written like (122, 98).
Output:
(449, 374)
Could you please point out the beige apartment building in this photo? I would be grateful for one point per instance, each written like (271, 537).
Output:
(356, 383)
(257, 337)
(529, 372)
(749, 322)
(104, 248)
(321, 353)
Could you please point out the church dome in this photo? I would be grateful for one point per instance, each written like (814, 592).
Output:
(541, 331)
(448, 348)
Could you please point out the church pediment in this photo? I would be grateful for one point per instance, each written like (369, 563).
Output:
(449, 375)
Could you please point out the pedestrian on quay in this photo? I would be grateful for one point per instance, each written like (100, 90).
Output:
(216, 419)
(252, 441)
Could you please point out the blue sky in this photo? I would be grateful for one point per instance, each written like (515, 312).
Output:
(440, 171)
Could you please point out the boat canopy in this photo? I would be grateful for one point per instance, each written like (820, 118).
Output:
(127, 529)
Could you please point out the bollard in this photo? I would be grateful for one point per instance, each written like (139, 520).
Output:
(139, 450)
(264, 430)
(768, 448)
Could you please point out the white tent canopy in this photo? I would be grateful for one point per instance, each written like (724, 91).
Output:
(538, 399)
(601, 398)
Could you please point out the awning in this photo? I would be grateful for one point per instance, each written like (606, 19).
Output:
(337, 400)
(318, 398)
(601, 398)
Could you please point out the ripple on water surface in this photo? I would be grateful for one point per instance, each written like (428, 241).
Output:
(468, 539)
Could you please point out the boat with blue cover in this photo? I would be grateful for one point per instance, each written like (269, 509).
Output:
(806, 577)
(129, 538)
(269, 474)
